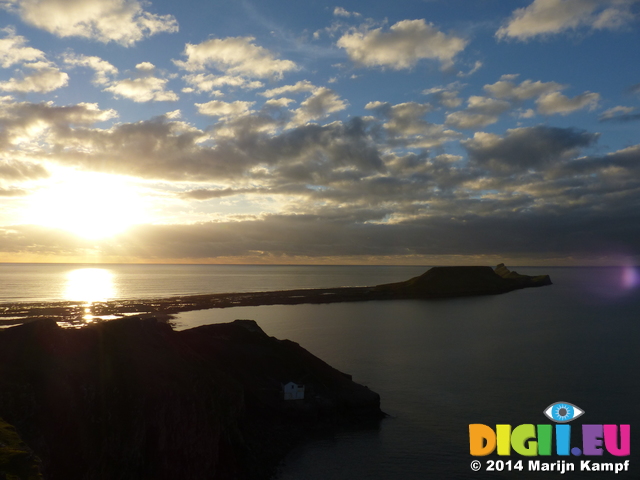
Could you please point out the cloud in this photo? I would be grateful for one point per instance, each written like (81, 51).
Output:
(404, 118)
(346, 188)
(341, 12)
(44, 75)
(12, 192)
(481, 111)
(208, 194)
(447, 95)
(406, 127)
(322, 102)
(634, 88)
(448, 99)
(14, 170)
(45, 78)
(506, 88)
(406, 43)
(280, 237)
(476, 66)
(235, 56)
(103, 69)
(623, 164)
(619, 114)
(23, 124)
(278, 102)
(301, 86)
(146, 88)
(218, 108)
(527, 148)
(202, 82)
(528, 113)
(547, 17)
(240, 146)
(121, 21)
(13, 50)
(555, 102)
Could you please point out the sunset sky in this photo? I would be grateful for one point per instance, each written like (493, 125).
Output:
(426, 132)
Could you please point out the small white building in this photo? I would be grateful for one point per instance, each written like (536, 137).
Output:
(293, 391)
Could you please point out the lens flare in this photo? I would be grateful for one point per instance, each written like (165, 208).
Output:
(630, 277)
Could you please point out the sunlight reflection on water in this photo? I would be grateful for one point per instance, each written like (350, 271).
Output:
(89, 285)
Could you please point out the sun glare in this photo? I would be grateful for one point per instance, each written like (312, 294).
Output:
(89, 285)
(90, 205)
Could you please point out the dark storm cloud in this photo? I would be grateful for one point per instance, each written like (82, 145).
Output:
(527, 148)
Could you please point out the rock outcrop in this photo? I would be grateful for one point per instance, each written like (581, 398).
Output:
(134, 399)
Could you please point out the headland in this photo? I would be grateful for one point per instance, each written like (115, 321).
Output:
(134, 399)
(435, 283)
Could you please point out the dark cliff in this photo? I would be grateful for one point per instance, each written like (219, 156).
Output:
(134, 399)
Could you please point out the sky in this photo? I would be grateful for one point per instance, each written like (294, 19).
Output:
(436, 132)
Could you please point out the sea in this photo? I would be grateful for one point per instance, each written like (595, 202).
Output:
(438, 365)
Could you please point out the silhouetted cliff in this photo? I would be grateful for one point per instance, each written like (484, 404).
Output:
(134, 399)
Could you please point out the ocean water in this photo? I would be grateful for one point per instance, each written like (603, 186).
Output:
(441, 365)
(73, 282)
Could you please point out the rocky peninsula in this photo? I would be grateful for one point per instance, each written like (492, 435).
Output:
(435, 283)
(133, 399)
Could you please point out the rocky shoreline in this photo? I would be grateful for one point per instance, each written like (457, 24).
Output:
(437, 282)
(133, 399)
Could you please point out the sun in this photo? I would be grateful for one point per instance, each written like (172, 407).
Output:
(90, 205)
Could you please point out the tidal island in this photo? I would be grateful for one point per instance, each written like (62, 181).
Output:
(435, 283)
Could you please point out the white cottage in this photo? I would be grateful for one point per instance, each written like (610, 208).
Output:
(293, 391)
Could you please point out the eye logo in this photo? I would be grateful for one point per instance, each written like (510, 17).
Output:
(562, 412)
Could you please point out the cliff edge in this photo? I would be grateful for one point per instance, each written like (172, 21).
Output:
(134, 399)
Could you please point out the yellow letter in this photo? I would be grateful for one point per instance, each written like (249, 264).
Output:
(504, 439)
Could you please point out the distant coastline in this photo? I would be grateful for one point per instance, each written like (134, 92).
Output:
(435, 283)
